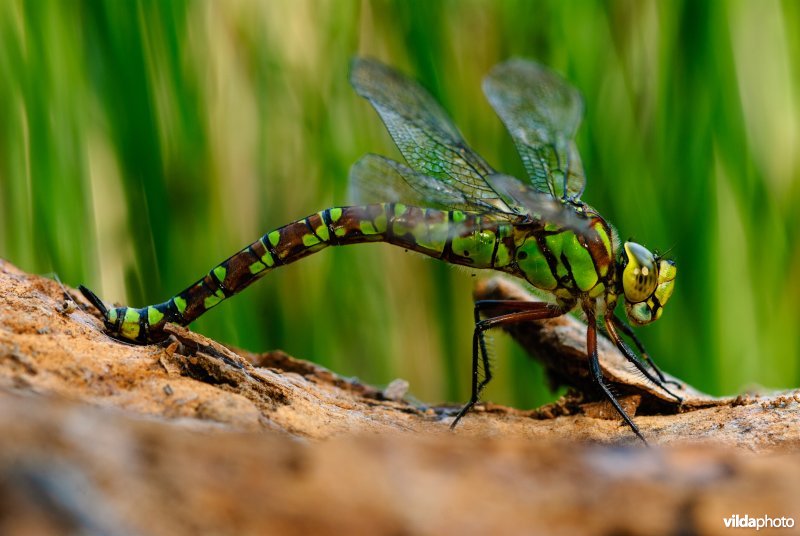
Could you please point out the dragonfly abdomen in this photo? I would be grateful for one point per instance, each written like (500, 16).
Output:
(454, 236)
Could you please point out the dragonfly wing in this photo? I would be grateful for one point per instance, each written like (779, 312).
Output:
(538, 205)
(423, 132)
(541, 112)
(377, 179)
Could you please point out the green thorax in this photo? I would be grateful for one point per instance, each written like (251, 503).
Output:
(571, 264)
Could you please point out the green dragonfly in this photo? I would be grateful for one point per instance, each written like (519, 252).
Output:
(449, 203)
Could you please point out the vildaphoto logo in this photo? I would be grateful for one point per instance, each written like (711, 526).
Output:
(746, 522)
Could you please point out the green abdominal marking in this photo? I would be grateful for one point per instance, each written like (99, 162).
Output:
(130, 328)
(257, 267)
(154, 316)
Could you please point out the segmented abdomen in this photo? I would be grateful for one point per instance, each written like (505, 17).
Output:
(453, 236)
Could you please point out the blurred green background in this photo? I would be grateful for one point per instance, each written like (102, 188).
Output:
(143, 142)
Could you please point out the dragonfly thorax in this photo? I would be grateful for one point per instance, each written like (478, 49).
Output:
(572, 264)
(647, 283)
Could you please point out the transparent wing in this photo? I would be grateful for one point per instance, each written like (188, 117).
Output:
(539, 205)
(377, 179)
(541, 112)
(423, 132)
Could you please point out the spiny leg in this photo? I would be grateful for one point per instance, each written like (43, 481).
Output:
(487, 366)
(521, 311)
(594, 367)
(511, 306)
(630, 356)
(626, 330)
(481, 306)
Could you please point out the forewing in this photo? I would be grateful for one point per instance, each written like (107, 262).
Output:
(377, 179)
(423, 132)
(541, 112)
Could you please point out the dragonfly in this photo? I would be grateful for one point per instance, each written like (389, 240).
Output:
(447, 202)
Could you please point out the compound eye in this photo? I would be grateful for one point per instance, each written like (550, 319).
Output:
(640, 276)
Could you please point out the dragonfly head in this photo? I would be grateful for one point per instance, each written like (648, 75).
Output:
(647, 282)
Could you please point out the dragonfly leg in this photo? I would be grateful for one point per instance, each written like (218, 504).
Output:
(594, 367)
(520, 311)
(631, 356)
(627, 331)
(513, 306)
(487, 366)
